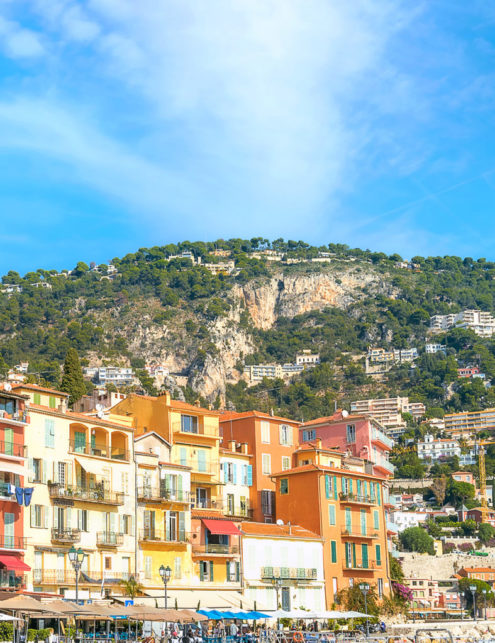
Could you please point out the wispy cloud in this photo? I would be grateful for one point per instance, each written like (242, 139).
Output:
(18, 42)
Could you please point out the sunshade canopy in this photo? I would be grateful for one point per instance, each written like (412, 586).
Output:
(12, 467)
(221, 527)
(11, 561)
(23, 604)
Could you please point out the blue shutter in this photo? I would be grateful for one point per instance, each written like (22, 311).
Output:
(327, 486)
(250, 475)
(225, 472)
(183, 456)
(378, 494)
(202, 461)
(335, 487)
(234, 472)
(350, 486)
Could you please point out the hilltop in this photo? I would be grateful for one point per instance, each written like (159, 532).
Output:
(208, 309)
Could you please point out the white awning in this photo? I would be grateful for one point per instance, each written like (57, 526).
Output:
(189, 598)
(92, 466)
(12, 467)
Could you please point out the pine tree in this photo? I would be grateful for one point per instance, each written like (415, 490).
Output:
(72, 380)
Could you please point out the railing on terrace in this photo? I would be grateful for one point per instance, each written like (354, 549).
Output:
(369, 565)
(109, 538)
(295, 573)
(238, 511)
(207, 503)
(162, 494)
(100, 450)
(213, 548)
(17, 416)
(68, 576)
(12, 542)
(385, 464)
(83, 494)
(16, 450)
(379, 436)
(10, 580)
(5, 490)
(357, 533)
(198, 429)
(66, 535)
(357, 499)
(156, 535)
(208, 467)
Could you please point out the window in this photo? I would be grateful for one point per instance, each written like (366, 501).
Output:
(206, 570)
(230, 504)
(331, 514)
(79, 442)
(188, 424)
(147, 566)
(233, 571)
(50, 433)
(266, 464)
(61, 467)
(177, 567)
(351, 433)
(171, 526)
(265, 432)
(380, 587)
(229, 472)
(285, 463)
(127, 524)
(37, 470)
(378, 551)
(284, 486)
(333, 545)
(268, 502)
(37, 515)
(285, 434)
(335, 586)
(82, 519)
(309, 435)
(376, 519)
(108, 562)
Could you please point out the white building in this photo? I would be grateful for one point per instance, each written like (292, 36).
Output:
(481, 322)
(286, 552)
(236, 473)
(433, 449)
(256, 372)
(388, 412)
(405, 519)
(435, 348)
(116, 375)
(307, 358)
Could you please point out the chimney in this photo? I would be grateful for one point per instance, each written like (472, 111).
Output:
(318, 443)
(271, 412)
(164, 396)
(244, 448)
(231, 444)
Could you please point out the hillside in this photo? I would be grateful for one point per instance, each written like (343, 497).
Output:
(267, 302)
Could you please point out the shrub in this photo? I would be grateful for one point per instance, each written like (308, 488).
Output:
(448, 547)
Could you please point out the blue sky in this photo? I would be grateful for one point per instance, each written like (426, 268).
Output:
(126, 124)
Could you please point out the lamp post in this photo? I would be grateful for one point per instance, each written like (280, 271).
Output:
(472, 589)
(76, 557)
(277, 583)
(365, 588)
(484, 598)
(165, 573)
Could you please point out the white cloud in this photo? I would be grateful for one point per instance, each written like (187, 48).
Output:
(18, 42)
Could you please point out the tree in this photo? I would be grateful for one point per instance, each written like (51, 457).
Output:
(396, 573)
(131, 587)
(459, 492)
(485, 532)
(464, 584)
(434, 529)
(72, 380)
(417, 539)
(352, 599)
(468, 527)
(439, 488)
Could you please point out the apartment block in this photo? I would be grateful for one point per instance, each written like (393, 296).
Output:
(360, 435)
(333, 497)
(257, 372)
(388, 412)
(307, 358)
(433, 449)
(469, 423)
(431, 348)
(271, 440)
(236, 471)
(286, 554)
(481, 322)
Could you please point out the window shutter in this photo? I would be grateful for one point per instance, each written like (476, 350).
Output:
(112, 522)
(211, 570)
(250, 475)
(55, 517)
(69, 518)
(147, 520)
(228, 572)
(334, 551)
(183, 456)
(79, 519)
(378, 495)
(350, 486)
(33, 516)
(327, 486)
(378, 550)
(30, 470)
(237, 571)
(43, 471)
(179, 488)
(121, 524)
(225, 473)
(55, 472)
(45, 517)
(376, 519)
(335, 487)
(167, 525)
(182, 526)
(234, 473)
(201, 571)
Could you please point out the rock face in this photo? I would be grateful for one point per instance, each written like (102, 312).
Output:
(291, 295)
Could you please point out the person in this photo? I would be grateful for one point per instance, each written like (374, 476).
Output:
(233, 629)
(383, 627)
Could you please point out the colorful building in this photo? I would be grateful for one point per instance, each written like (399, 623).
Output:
(13, 499)
(333, 496)
(359, 435)
(236, 471)
(271, 440)
(282, 566)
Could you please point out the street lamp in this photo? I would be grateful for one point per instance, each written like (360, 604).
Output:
(165, 573)
(277, 583)
(365, 588)
(484, 598)
(472, 589)
(76, 557)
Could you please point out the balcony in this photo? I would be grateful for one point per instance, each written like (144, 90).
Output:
(109, 539)
(156, 536)
(160, 494)
(15, 450)
(289, 573)
(9, 580)
(195, 429)
(369, 566)
(238, 511)
(18, 417)
(215, 549)
(95, 494)
(352, 498)
(12, 542)
(5, 491)
(356, 533)
(207, 503)
(68, 576)
(99, 450)
(384, 464)
(66, 535)
(380, 438)
(208, 468)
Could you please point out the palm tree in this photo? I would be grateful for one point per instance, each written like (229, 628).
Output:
(131, 587)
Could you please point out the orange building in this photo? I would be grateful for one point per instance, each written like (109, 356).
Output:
(338, 498)
(271, 440)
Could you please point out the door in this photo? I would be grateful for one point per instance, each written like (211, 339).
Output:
(364, 556)
(60, 568)
(285, 595)
(348, 520)
(201, 498)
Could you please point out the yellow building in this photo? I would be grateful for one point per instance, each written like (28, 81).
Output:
(82, 472)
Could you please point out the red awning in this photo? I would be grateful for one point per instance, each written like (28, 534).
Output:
(221, 527)
(15, 563)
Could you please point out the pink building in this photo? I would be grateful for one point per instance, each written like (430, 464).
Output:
(359, 435)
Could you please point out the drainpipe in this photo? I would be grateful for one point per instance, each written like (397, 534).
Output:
(136, 548)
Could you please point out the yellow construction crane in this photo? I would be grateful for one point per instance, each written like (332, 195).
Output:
(482, 469)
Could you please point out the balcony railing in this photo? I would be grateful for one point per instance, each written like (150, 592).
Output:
(384, 464)
(357, 533)
(157, 536)
(66, 535)
(5, 490)
(160, 494)
(109, 539)
(11, 581)
(379, 436)
(100, 450)
(198, 429)
(83, 494)
(211, 548)
(68, 576)
(16, 450)
(358, 500)
(289, 573)
(238, 511)
(207, 503)
(12, 542)
(208, 468)
(369, 565)
(17, 416)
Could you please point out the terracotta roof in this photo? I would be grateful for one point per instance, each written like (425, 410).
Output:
(226, 416)
(336, 417)
(320, 467)
(277, 531)
(311, 446)
(177, 404)
(235, 453)
(35, 387)
(478, 569)
(89, 419)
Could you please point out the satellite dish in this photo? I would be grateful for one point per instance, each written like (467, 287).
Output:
(101, 415)
(100, 407)
(345, 413)
(7, 386)
(280, 521)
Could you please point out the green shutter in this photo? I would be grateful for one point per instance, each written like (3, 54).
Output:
(237, 571)
(52, 402)
(334, 550)
(36, 398)
(211, 571)
(378, 550)
(363, 522)
(364, 556)
(182, 526)
(335, 487)
(179, 488)
(327, 486)
(378, 494)
(350, 486)
(183, 456)
(331, 514)
(201, 571)
(348, 520)
(376, 519)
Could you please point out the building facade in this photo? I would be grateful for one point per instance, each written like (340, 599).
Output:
(468, 423)
(432, 449)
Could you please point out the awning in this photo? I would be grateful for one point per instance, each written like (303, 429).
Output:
(189, 599)
(91, 466)
(221, 527)
(12, 467)
(14, 562)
